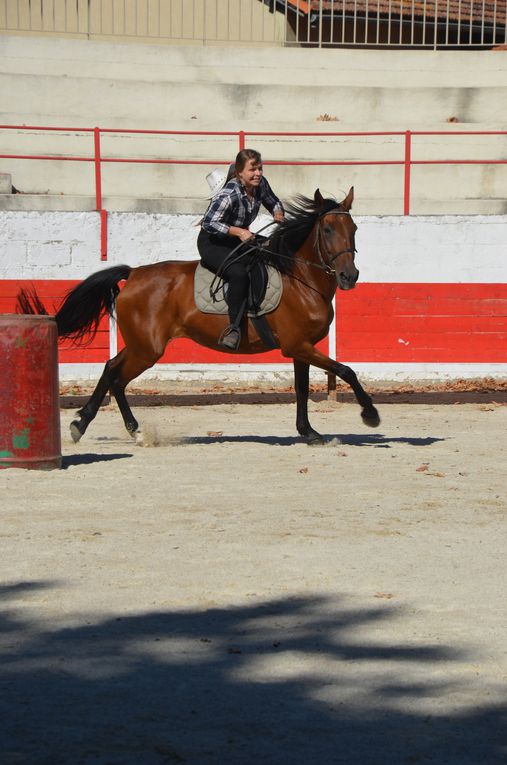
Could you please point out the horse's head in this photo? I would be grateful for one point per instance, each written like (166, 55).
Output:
(335, 239)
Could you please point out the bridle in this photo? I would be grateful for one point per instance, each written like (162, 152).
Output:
(330, 259)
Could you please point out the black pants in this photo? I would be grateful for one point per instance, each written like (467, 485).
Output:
(214, 250)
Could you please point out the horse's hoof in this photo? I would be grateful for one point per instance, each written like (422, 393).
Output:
(75, 430)
(371, 417)
(320, 441)
(314, 439)
(139, 438)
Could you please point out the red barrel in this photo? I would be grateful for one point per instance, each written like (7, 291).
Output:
(29, 393)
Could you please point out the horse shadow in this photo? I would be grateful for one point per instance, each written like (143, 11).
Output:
(75, 460)
(377, 440)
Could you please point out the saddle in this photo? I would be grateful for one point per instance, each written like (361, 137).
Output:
(264, 296)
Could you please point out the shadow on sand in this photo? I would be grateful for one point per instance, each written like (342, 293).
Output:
(88, 459)
(349, 439)
(273, 682)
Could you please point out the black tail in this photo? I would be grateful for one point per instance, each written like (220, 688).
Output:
(29, 302)
(80, 313)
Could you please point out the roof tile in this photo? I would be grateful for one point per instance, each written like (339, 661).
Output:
(494, 13)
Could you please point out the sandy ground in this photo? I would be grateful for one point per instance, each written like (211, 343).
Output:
(230, 595)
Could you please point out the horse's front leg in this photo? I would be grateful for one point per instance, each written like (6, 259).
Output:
(369, 413)
(302, 387)
(308, 354)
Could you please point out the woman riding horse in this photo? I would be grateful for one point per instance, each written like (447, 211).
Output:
(225, 227)
(314, 248)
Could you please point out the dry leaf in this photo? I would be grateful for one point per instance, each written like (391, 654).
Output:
(215, 433)
(384, 595)
(422, 467)
(326, 118)
(303, 470)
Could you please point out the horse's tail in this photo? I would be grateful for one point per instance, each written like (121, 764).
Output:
(83, 307)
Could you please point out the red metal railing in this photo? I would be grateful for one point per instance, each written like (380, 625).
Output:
(241, 136)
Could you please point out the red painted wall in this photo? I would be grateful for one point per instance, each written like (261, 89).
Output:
(395, 322)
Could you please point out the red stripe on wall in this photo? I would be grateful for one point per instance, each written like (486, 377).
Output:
(182, 351)
(453, 323)
(399, 322)
(52, 292)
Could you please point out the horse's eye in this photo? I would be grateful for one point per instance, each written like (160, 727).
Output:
(328, 230)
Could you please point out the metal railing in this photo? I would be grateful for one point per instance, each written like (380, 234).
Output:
(95, 156)
(435, 24)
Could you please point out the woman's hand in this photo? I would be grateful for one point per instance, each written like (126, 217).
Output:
(279, 216)
(245, 235)
(242, 233)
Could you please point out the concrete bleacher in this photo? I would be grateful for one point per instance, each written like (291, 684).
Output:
(77, 83)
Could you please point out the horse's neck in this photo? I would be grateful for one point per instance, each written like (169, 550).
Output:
(312, 270)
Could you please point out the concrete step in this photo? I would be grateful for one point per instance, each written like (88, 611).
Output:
(78, 83)
(44, 99)
(363, 205)
(250, 65)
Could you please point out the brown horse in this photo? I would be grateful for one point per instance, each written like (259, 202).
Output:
(314, 249)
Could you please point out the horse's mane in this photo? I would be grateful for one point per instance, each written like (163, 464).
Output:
(301, 213)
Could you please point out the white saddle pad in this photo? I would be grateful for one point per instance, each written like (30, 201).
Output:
(205, 303)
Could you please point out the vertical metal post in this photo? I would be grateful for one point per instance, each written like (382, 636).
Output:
(435, 25)
(98, 195)
(98, 174)
(103, 234)
(241, 135)
(408, 153)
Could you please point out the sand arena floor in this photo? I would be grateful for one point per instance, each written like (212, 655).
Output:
(229, 595)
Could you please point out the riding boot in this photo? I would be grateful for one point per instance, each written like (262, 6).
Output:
(231, 336)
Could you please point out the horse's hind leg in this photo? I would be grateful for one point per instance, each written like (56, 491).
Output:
(89, 411)
(130, 368)
(118, 372)
(118, 391)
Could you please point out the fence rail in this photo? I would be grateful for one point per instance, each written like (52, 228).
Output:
(97, 157)
(435, 24)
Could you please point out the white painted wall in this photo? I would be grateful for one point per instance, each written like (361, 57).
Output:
(58, 245)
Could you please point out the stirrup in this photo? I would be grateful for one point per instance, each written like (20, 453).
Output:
(230, 337)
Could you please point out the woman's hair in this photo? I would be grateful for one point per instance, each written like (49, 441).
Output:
(242, 158)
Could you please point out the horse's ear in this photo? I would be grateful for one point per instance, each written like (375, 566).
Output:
(318, 198)
(347, 202)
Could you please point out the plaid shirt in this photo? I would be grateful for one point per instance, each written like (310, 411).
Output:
(232, 207)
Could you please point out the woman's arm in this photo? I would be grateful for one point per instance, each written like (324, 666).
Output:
(213, 220)
(271, 201)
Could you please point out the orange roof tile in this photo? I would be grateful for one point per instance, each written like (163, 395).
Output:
(457, 10)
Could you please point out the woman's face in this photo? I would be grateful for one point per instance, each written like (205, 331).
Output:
(251, 174)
